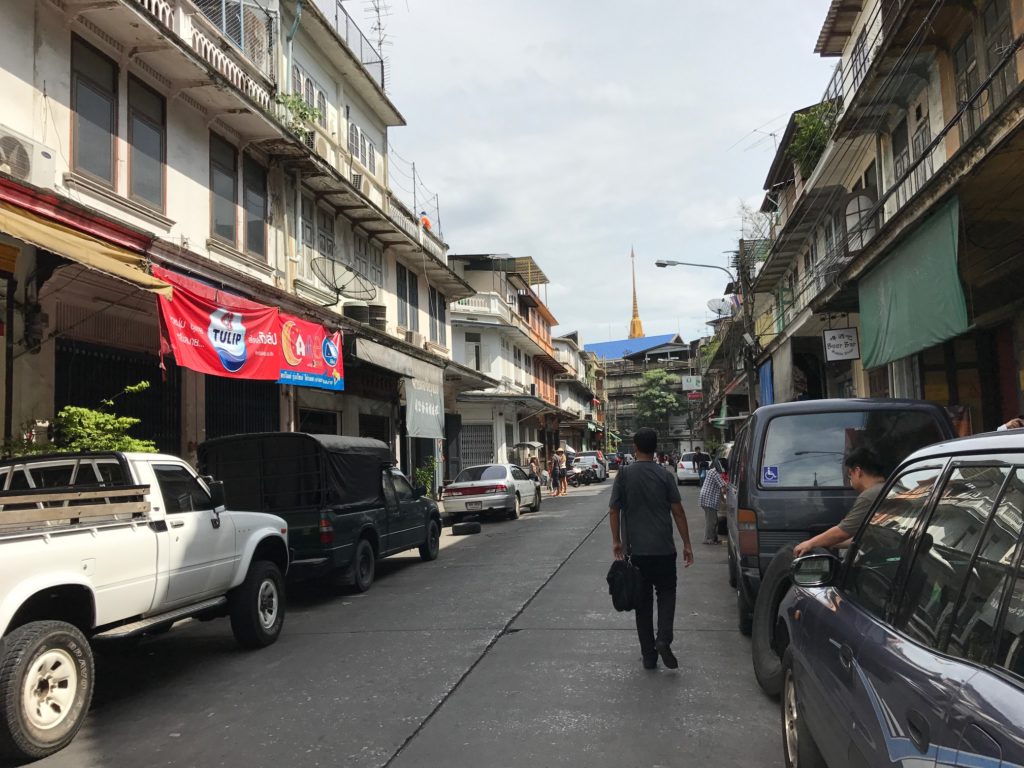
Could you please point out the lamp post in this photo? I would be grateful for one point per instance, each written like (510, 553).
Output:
(748, 319)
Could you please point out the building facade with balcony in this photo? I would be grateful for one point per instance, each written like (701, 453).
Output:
(240, 145)
(504, 331)
(577, 395)
(905, 229)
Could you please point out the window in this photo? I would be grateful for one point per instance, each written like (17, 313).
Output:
(147, 138)
(944, 554)
(308, 224)
(490, 472)
(362, 249)
(1010, 650)
(998, 40)
(254, 201)
(353, 139)
(296, 79)
(965, 67)
(181, 491)
(307, 92)
(325, 233)
(321, 107)
(473, 358)
(883, 541)
(919, 143)
(94, 111)
(402, 289)
(402, 487)
(377, 265)
(371, 157)
(436, 308)
(974, 626)
(807, 450)
(223, 187)
(414, 302)
(859, 60)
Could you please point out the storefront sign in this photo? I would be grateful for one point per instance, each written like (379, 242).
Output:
(694, 395)
(692, 383)
(424, 412)
(222, 334)
(841, 344)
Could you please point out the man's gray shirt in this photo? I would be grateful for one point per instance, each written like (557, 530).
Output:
(644, 492)
(852, 520)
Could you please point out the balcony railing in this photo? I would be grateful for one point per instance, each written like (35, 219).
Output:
(248, 26)
(484, 304)
(358, 44)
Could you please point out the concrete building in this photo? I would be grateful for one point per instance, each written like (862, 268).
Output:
(240, 145)
(895, 248)
(504, 332)
(578, 395)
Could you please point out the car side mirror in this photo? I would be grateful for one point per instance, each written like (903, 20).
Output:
(216, 492)
(816, 570)
(419, 491)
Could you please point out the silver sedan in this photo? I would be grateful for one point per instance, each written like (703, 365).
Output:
(490, 489)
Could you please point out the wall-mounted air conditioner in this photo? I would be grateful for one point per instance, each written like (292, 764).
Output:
(414, 337)
(27, 160)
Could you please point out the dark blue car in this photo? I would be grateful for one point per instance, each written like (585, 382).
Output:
(910, 650)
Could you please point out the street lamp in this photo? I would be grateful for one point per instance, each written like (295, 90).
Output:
(748, 319)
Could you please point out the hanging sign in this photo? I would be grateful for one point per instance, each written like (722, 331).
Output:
(691, 383)
(841, 344)
(223, 334)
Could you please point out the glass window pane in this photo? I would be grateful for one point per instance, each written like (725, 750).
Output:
(1010, 653)
(943, 558)
(807, 450)
(145, 100)
(974, 626)
(255, 203)
(147, 156)
(94, 131)
(883, 541)
(88, 62)
(223, 187)
(181, 491)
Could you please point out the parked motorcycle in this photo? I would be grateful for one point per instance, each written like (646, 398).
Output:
(582, 476)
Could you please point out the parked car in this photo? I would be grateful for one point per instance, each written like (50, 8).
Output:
(594, 460)
(614, 461)
(502, 489)
(685, 472)
(721, 459)
(345, 503)
(910, 650)
(115, 545)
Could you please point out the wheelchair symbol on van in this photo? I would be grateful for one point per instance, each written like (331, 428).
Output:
(770, 475)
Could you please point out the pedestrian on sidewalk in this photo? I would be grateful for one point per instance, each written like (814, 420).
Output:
(649, 499)
(712, 493)
(563, 475)
(553, 475)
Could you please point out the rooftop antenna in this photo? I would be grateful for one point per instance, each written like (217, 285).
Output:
(377, 11)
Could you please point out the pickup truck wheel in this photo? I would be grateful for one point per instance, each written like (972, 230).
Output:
(363, 566)
(432, 545)
(774, 586)
(256, 606)
(46, 684)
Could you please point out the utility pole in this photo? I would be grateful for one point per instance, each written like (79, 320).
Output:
(749, 330)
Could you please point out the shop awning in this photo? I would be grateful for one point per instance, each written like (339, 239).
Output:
(81, 248)
(914, 299)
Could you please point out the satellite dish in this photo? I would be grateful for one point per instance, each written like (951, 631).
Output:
(342, 280)
(724, 305)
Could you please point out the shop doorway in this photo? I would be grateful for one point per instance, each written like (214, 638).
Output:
(240, 406)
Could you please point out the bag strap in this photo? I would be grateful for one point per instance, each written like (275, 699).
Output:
(623, 527)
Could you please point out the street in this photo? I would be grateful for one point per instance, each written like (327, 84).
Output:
(503, 652)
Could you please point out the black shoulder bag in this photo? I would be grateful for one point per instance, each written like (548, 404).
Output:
(625, 582)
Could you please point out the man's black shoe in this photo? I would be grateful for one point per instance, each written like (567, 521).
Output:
(650, 662)
(667, 657)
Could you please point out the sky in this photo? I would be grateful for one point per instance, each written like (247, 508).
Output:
(575, 130)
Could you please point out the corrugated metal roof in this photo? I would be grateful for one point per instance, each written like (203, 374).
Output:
(616, 350)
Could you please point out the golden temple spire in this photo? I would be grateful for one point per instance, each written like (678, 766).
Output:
(636, 328)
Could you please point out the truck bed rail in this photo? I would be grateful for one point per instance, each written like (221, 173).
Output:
(49, 506)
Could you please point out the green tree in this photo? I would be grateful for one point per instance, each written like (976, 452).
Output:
(656, 400)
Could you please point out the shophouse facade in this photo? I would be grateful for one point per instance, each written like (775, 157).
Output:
(241, 146)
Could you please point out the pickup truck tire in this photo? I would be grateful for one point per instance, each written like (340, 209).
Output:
(257, 607)
(46, 685)
(432, 545)
(364, 565)
(774, 586)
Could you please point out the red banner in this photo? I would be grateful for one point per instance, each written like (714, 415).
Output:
(223, 334)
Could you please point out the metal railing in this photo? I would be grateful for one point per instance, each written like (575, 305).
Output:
(357, 42)
(248, 25)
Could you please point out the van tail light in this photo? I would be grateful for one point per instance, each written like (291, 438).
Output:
(326, 531)
(746, 522)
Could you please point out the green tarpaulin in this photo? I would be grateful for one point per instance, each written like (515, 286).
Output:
(914, 300)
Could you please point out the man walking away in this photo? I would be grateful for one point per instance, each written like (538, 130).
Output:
(712, 493)
(866, 477)
(649, 498)
(701, 462)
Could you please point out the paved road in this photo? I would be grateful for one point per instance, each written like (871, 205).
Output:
(503, 652)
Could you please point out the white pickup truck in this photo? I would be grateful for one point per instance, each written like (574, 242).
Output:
(114, 545)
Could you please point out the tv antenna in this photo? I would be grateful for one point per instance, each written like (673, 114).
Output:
(342, 280)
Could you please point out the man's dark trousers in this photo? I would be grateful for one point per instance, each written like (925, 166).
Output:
(659, 572)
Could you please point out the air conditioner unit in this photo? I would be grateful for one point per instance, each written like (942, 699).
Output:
(414, 337)
(309, 139)
(323, 147)
(27, 160)
(357, 180)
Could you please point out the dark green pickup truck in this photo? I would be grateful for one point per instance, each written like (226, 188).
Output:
(345, 503)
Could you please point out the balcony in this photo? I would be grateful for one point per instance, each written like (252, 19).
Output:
(488, 304)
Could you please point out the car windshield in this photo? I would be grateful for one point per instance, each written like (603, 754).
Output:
(489, 472)
(807, 450)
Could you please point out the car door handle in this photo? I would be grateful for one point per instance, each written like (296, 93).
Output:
(918, 730)
(177, 523)
(846, 657)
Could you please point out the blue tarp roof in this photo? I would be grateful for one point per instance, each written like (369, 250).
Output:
(616, 350)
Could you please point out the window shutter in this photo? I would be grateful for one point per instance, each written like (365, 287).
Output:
(371, 157)
(321, 106)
